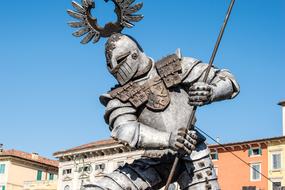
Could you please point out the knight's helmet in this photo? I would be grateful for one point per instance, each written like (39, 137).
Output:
(123, 53)
(124, 57)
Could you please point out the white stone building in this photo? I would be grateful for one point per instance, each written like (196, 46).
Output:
(87, 163)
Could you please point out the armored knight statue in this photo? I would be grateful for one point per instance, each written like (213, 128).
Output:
(150, 107)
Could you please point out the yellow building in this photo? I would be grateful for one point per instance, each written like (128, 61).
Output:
(20, 170)
(276, 163)
(276, 157)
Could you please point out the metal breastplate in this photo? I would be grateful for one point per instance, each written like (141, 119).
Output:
(154, 92)
(175, 116)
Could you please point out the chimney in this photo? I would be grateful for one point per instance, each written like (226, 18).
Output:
(35, 156)
(282, 104)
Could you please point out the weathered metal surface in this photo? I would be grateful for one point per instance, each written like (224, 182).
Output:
(124, 10)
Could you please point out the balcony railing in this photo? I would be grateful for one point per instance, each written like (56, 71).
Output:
(44, 184)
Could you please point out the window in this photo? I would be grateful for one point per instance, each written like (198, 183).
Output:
(87, 169)
(249, 188)
(276, 161)
(254, 151)
(276, 185)
(255, 171)
(39, 175)
(66, 171)
(100, 167)
(214, 155)
(2, 168)
(2, 187)
(51, 176)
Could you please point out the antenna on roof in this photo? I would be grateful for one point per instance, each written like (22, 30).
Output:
(218, 139)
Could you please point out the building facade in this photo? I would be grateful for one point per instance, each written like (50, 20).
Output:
(87, 163)
(276, 163)
(250, 165)
(20, 170)
(282, 104)
(241, 165)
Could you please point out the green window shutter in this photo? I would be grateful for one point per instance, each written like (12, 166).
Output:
(39, 175)
(260, 151)
(51, 176)
(2, 168)
(249, 151)
(3, 187)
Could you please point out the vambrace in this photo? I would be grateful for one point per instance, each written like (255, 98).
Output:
(223, 83)
(152, 138)
(123, 123)
(224, 86)
(127, 133)
(137, 135)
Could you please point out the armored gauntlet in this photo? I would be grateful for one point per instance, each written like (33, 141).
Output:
(184, 141)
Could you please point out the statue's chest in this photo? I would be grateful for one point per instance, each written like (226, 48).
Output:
(173, 117)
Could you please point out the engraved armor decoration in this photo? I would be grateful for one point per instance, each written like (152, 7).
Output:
(154, 92)
(169, 69)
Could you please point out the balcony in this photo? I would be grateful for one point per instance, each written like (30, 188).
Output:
(40, 185)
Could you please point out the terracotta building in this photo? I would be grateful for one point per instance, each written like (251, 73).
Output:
(20, 170)
(252, 168)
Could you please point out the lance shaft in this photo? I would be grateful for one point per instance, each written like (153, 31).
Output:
(190, 124)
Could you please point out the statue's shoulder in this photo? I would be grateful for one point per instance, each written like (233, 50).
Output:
(174, 68)
(189, 64)
(106, 98)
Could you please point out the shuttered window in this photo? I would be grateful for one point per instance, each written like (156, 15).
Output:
(2, 168)
(39, 175)
(214, 155)
(254, 151)
(51, 176)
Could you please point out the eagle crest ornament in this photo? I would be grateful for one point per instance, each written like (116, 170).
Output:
(89, 27)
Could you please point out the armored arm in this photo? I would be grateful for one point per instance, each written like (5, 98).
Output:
(224, 85)
(126, 128)
(221, 83)
(122, 120)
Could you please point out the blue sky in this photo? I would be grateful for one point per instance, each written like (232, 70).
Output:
(50, 83)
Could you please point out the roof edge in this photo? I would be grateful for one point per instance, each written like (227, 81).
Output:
(96, 144)
(248, 142)
(12, 153)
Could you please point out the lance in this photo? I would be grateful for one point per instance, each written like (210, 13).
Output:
(190, 124)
